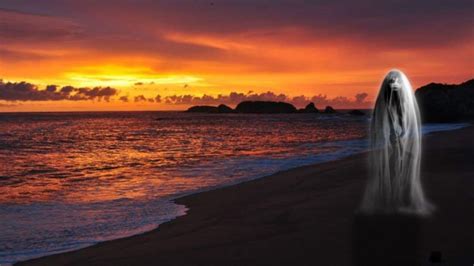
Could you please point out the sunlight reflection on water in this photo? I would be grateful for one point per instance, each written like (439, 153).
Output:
(69, 180)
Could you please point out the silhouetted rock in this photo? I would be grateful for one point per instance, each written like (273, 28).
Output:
(224, 109)
(202, 109)
(329, 110)
(310, 108)
(264, 107)
(445, 102)
(356, 112)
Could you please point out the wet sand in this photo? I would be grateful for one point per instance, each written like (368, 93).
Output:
(306, 216)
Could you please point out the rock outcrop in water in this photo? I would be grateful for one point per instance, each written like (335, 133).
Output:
(224, 109)
(329, 110)
(309, 109)
(265, 107)
(221, 109)
(203, 109)
(446, 102)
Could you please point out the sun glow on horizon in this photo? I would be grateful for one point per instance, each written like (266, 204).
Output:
(120, 76)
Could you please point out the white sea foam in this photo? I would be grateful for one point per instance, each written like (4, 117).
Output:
(67, 227)
(430, 128)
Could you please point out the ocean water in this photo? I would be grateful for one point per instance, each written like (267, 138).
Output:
(70, 180)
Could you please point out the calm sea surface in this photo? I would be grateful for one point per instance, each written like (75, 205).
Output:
(70, 180)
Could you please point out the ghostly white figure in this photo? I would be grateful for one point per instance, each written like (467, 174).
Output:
(395, 139)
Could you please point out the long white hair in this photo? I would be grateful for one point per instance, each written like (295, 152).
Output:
(395, 138)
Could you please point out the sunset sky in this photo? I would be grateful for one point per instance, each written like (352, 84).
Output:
(168, 55)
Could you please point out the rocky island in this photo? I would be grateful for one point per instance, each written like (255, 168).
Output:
(260, 107)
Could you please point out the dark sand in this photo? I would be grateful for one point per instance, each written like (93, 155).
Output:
(306, 216)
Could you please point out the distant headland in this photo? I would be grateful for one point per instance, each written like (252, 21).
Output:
(446, 102)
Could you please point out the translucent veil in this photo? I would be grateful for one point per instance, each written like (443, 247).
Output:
(395, 138)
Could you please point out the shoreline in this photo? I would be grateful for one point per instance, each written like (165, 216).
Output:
(201, 204)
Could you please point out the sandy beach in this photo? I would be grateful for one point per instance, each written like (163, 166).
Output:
(307, 216)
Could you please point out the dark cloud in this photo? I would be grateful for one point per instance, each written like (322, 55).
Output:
(234, 98)
(140, 98)
(67, 89)
(16, 56)
(360, 97)
(158, 99)
(95, 93)
(51, 88)
(124, 99)
(24, 91)
(142, 83)
(34, 27)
